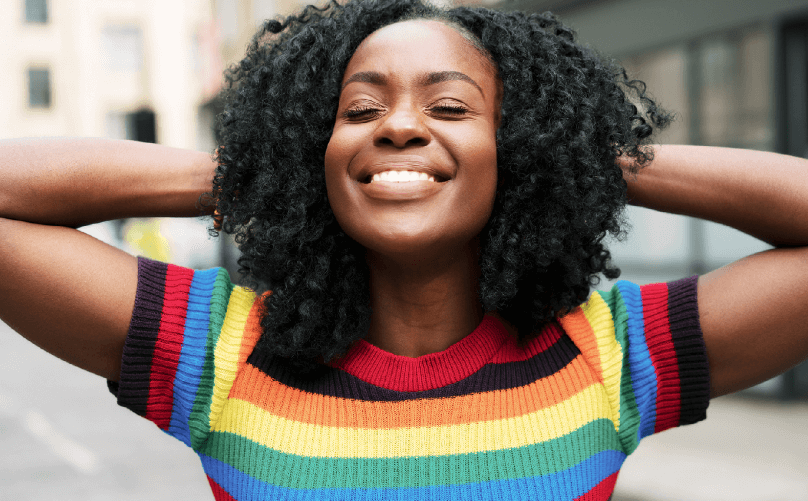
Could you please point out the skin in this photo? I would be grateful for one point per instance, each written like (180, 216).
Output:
(63, 290)
(753, 312)
(416, 95)
(73, 295)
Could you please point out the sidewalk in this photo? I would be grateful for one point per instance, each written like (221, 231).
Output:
(747, 450)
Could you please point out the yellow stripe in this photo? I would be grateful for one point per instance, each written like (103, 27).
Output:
(304, 439)
(226, 353)
(599, 315)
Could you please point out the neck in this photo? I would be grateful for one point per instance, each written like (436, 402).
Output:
(422, 305)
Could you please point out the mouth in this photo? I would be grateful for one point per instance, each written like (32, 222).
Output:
(401, 185)
(402, 176)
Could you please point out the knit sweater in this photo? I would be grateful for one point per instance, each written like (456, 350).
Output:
(486, 419)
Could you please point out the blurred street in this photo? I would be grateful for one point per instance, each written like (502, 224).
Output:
(63, 437)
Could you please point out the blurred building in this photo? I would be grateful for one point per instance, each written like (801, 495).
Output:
(145, 70)
(126, 69)
(735, 72)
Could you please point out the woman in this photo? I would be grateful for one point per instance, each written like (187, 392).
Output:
(424, 194)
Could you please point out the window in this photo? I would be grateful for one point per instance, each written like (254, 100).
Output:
(36, 11)
(39, 88)
(793, 89)
(140, 125)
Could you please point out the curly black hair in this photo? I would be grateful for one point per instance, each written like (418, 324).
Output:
(567, 113)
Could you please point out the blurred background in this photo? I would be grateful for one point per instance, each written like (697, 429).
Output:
(735, 72)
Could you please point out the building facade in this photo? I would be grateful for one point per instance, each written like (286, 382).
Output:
(735, 73)
(99, 68)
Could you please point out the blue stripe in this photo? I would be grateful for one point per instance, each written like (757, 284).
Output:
(643, 373)
(561, 486)
(192, 355)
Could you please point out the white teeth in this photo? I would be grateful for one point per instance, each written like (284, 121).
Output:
(401, 176)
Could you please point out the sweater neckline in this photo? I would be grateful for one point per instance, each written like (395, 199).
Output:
(435, 370)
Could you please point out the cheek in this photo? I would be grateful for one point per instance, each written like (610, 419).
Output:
(481, 156)
(338, 155)
(339, 186)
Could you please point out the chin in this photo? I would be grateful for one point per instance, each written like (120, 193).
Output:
(416, 247)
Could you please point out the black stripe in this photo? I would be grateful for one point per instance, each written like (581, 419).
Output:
(133, 389)
(688, 341)
(491, 377)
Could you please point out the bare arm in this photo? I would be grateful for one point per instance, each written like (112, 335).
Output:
(754, 312)
(74, 182)
(63, 290)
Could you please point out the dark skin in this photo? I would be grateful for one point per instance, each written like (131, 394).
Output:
(73, 295)
(399, 110)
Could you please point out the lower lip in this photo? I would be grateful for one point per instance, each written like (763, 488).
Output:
(407, 190)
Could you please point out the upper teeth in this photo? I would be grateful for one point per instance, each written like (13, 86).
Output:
(401, 176)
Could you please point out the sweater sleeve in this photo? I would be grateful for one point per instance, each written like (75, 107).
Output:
(190, 332)
(648, 347)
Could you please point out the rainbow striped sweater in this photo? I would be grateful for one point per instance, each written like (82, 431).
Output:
(486, 419)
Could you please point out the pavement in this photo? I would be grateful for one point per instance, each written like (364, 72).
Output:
(63, 437)
(748, 449)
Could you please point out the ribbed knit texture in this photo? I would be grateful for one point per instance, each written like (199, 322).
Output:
(485, 419)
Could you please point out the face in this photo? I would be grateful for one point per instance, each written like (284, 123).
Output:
(411, 164)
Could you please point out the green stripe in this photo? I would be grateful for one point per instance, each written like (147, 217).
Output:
(629, 413)
(199, 422)
(303, 472)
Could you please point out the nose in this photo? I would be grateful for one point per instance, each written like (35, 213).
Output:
(402, 127)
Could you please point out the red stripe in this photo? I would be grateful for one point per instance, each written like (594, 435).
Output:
(515, 351)
(462, 359)
(219, 494)
(602, 491)
(663, 355)
(168, 346)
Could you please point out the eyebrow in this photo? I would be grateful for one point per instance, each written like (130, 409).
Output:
(432, 78)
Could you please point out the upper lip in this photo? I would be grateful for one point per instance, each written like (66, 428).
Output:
(415, 164)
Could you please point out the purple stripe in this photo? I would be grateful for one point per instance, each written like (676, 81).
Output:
(133, 389)
(688, 341)
(491, 377)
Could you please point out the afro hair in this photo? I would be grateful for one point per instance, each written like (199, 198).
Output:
(567, 113)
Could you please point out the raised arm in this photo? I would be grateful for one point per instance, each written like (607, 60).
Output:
(754, 312)
(65, 291)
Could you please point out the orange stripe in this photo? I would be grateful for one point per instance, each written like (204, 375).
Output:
(255, 387)
(585, 339)
(252, 331)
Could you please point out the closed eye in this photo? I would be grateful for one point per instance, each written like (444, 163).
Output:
(361, 112)
(449, 109)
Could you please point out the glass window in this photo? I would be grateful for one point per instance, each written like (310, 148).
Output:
(734, 86)
(665, 73)
(36, 11)
(140, 125)
(717, 60)
(39, 88)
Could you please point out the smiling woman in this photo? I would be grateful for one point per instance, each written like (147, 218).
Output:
(421, 197)
(504, 110)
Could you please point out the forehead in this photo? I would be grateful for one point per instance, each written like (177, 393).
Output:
(419, 46)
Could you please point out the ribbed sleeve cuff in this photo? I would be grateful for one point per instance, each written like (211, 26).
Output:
(688, 341)
(133, 389)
